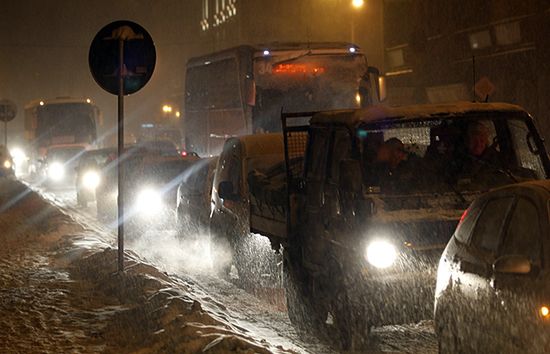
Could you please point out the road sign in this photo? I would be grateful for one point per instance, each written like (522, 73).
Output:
(138, 59)
(484, 88)
(122, 59)
(8, 110)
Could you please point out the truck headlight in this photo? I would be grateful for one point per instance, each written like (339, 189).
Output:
(148, 201)
(56, 171)
(381, 254)
(7, 164)
(91, 180)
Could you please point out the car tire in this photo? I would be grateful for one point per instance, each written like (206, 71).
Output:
(81, 201)
(447, 338)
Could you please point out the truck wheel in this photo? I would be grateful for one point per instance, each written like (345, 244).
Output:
(301, 312)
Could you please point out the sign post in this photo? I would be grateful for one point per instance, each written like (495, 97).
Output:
(8, 111)
(122, 60)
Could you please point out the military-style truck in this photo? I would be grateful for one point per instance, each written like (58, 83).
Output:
(371, 198)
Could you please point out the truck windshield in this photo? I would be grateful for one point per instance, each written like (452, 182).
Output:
(458, 154)
(306, 83)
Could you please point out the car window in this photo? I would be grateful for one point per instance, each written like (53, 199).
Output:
(488, 229)
(467, 222)
(523, 234)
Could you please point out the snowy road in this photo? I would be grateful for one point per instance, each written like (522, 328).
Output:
(255, 316)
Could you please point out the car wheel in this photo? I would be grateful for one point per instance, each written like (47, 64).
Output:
(81, 201)
(447, 338)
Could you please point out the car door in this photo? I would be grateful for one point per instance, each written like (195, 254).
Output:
(472, 278)
(513, 293)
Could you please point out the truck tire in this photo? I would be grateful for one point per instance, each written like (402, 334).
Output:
(300, 308)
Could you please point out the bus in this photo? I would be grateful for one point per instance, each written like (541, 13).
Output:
(243, 90)
(60, 121)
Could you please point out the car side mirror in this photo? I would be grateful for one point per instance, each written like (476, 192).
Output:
(350, 176)
(512, 264)
(225, 191)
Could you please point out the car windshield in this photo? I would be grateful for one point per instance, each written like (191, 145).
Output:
(64, 154)
(468, 154)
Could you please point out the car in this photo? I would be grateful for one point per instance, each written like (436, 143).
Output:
(493, 280)
(7, 167)
(89, 173)
(58, 167)
(150, 186)
(193, 197)
(251, 254)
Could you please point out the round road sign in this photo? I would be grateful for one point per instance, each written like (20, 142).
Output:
(138, 53)
(8, 110)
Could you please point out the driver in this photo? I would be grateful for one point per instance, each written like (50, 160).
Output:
(388, 164)
(479, 155)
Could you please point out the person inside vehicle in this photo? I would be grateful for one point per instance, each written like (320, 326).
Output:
(388, 165)
(480, 162)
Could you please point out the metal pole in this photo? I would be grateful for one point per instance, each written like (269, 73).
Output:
(6, 133)
(120, 152)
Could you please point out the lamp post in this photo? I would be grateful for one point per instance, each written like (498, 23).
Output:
(356, 5)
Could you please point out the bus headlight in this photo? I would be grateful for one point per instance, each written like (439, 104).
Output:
(91, 180)
(56, 171)
(148, 201)
(381, 254)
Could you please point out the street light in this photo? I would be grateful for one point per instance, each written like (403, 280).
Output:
(357, 3)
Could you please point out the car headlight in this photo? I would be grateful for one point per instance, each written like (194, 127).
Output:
(381, 254)
(91, 180)
(148, 201)
(56, 171)
(18, 155)
(7, 164)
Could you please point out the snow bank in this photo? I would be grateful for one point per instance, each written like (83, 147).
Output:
(60, 292)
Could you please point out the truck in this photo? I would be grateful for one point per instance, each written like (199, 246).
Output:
(361, 252)
(59, 121)
(242, 90)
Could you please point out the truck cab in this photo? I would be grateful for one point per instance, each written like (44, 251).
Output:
(364, 235)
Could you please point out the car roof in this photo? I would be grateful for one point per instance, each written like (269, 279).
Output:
(261, 144)
(375, 113)
(539, 187)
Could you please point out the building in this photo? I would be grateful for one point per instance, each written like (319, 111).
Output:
(495, 50)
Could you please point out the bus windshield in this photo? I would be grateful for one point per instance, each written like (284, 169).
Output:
(306, 83)
(66, 123)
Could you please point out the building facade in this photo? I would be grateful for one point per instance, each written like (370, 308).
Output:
(495, 50)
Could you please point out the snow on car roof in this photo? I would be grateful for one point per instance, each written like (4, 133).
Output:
(534, 185)
(261, 144)
(383, 112)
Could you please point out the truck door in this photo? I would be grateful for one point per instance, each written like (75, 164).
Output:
(316, 166)
(339, 149)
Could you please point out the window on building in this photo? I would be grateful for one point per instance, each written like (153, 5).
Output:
(480, 40)
(396, 58)
(508, 33)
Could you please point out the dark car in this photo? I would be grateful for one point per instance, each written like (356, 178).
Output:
(193, 197)
(493, 282)
(150, 186)
(89, 173)
(7, 167)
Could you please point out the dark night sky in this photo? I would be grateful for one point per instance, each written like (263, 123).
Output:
(44, 46)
